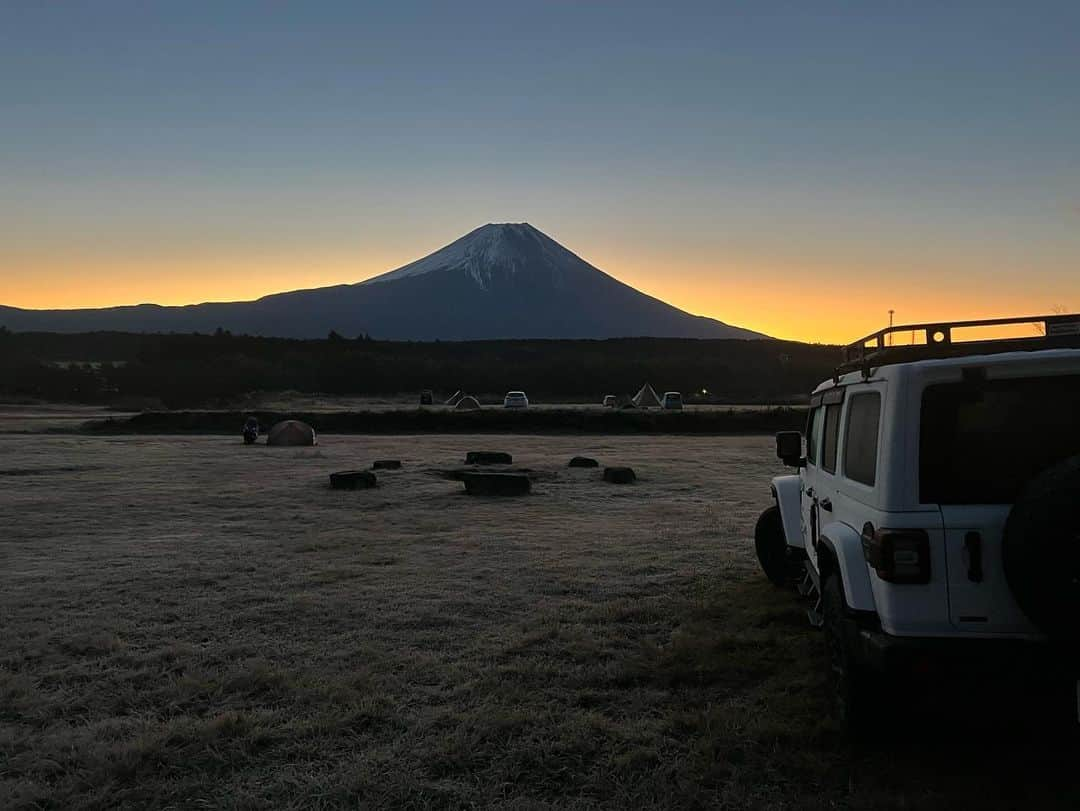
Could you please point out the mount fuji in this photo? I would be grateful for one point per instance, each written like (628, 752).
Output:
(505, 280)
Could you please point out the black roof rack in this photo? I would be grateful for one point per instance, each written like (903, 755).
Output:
(937, 341)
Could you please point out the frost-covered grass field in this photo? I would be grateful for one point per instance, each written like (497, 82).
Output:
(188, 622)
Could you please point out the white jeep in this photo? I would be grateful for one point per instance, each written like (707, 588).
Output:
(935, 515)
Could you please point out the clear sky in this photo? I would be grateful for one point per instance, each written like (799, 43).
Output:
(797, 168)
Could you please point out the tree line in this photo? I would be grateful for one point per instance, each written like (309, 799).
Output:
(199, 370)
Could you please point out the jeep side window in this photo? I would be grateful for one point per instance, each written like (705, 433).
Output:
(861, 438)
(813, 434)
(832, 436)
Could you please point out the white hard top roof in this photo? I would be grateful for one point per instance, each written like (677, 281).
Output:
(1059, 361)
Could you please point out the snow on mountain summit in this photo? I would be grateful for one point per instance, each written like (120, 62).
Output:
(488, 251)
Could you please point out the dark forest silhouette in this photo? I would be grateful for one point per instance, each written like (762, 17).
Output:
(205, 370)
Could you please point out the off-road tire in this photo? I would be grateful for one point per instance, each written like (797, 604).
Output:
(772, 549)
(847, 681)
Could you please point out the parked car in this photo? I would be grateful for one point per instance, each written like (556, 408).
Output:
(672, 401)
(609, 401)
(515, 399)
(932, 516)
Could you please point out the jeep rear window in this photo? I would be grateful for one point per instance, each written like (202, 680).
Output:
(980, 442)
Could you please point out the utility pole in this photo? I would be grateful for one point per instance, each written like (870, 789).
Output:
(890, 325)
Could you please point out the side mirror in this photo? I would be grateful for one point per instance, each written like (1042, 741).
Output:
(789, 448)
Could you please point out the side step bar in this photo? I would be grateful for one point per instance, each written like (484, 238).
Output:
(809, 587)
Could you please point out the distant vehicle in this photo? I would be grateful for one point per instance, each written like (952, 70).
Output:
(515, 399)
(672, 401)
(427, 397)
(251, 431)
(932, 515)
(609, 401)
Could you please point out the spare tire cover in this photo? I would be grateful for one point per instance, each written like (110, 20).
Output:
(1041, 550)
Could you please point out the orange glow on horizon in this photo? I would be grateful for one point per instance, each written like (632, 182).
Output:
(79, 283)
(822, 306)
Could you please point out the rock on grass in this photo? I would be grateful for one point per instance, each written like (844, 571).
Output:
(353, 480)
(496, 484)
(488, 458)
(619, 475)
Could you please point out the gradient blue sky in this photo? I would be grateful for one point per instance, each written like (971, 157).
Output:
(797, 168)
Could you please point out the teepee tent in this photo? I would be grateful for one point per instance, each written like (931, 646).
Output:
(646, 398)
(291, 432)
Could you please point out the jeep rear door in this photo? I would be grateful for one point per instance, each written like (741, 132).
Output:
(981, 441)
(867, 467)
(979, 596)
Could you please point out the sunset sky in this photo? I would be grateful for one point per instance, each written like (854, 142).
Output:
(795, 171)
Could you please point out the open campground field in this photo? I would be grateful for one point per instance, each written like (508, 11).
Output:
(188, 622)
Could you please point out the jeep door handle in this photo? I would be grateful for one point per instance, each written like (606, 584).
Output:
(826, 504)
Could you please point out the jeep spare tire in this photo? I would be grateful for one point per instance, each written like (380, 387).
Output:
(1041, 550)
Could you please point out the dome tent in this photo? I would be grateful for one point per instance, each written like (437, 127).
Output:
(291, 432)
(646, 398)
(467, 403)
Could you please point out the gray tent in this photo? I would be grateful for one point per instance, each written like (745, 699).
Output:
(291, 432)
(646, 398)
(467, 404)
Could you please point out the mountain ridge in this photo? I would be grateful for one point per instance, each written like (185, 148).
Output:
(501, 280)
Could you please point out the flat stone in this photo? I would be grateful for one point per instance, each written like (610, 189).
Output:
(619, 475)
(488, 458)
(386, 464)
(353, 480)
(496, 484)
(583, 461)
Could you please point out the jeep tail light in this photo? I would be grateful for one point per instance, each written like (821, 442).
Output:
(897, 555)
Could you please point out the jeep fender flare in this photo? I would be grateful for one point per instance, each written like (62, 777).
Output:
(844, 551)
(787, 490)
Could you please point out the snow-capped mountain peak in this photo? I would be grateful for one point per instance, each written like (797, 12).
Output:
(495, 249)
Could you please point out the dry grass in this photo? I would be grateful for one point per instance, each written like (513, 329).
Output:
(191, 623)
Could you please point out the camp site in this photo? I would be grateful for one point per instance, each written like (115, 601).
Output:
(552, 406)
(370, 598)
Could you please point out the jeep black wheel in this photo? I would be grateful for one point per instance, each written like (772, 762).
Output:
(847, 682)
(771, 547)
(1040, 550)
